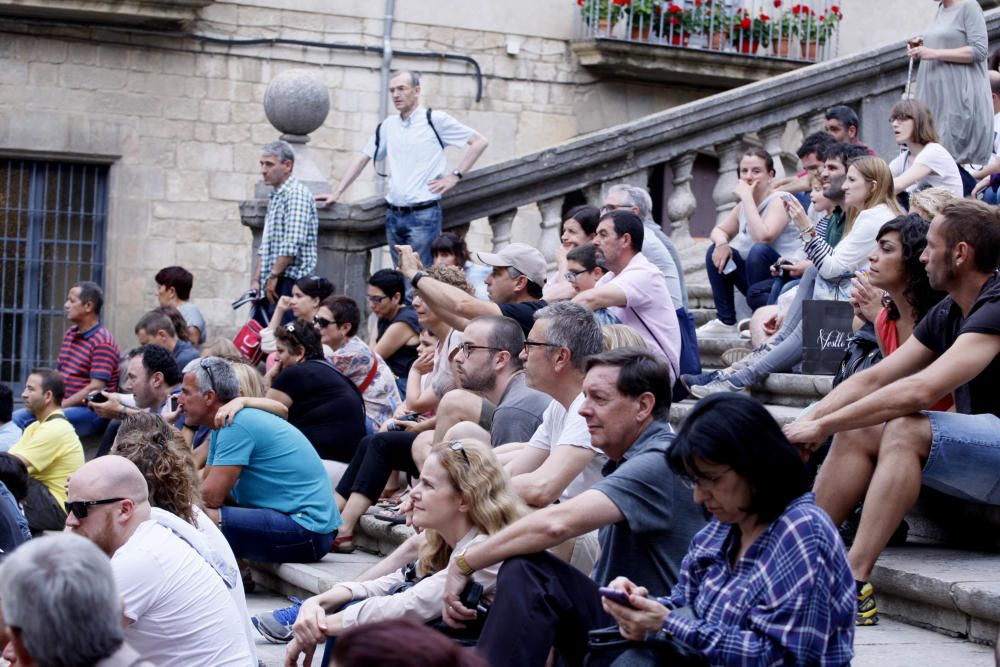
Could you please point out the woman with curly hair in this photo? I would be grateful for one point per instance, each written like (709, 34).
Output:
(462, 497)
(165, 460)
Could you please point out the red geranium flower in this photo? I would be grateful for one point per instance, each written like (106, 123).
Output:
(745, 23)
(835, 9)
(675, 9)
(777, 3)
(764, 17)
(822, 17)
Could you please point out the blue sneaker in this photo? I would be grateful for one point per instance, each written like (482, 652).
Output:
(702, 378)
(276, 626)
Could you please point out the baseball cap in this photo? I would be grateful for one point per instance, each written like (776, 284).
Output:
(529, 261)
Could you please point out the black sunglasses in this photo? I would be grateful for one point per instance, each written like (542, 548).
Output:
(211, 384)
(457, 446)
(322, 322)
(79, 508)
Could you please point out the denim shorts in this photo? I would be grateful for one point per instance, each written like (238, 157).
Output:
(964, 460)
(268, 536)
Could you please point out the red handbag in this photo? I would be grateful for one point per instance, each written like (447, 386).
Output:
(247, 341)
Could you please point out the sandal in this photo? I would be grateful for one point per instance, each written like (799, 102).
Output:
(387, 514)
(343, 544)
(395, 499)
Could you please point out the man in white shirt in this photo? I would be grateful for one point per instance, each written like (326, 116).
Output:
(176, 607)
(558, 462)
(631, 289)
(412, 146)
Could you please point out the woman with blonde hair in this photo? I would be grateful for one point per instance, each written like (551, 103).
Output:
(462, 497)
(870, 203)
(621, 335)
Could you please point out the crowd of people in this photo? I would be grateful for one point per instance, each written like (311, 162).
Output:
(518, 418)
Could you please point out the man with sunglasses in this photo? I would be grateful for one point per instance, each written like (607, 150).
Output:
(176, 607)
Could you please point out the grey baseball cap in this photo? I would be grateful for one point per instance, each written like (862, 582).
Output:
(529, 261)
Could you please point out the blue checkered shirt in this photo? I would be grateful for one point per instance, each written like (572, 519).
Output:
(290, 229)
(789, 601)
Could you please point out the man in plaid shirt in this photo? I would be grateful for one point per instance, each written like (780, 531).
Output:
(288, 245)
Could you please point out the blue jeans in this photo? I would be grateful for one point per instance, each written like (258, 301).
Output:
(84, 421)
(268, 536)
(417, 230)
(965, 452)
(263, 313)
(752, 278)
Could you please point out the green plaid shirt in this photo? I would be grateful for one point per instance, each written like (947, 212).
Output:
(290, 229)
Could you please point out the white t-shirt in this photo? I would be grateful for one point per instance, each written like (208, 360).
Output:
(648, 309)
(218, 543)
(413, 155)
(566, 428)
(996, 137)
(944, 169)
(181, 611)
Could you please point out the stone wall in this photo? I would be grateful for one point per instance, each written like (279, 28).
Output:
(180, 120)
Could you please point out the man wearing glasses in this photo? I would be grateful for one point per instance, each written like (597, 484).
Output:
(176, 607)
(411, 144)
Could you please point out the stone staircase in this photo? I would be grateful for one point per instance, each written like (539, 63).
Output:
(947, 578)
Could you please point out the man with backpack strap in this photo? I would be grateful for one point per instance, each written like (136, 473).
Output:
(411, 145)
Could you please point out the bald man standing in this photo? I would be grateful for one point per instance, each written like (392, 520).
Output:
(176, 606)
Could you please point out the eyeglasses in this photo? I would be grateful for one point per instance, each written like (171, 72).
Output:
(467, 348)
(376, 299)
(536, 343)
(612, 207)
(457, 446)
(703, 482)
(322, 322)
(79, 507)
(211, 380)
(572, 275)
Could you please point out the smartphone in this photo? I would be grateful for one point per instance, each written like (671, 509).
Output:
(97, 397)
(613, 594)
(172, 403)
(729, 267)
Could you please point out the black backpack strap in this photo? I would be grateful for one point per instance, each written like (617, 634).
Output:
(56, 415)
(378, 142)
(434, 129)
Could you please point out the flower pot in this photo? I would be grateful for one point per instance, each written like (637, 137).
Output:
(717, 41)
(810, 50)
(640, 33)
(782, 47)
(603, 27)
(748, 46)
(677, 39)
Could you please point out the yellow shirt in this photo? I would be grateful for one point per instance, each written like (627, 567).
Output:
(53, 452)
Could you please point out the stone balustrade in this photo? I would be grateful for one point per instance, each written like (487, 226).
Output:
(721, 125)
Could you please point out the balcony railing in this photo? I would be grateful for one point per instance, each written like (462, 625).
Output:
(806, 31)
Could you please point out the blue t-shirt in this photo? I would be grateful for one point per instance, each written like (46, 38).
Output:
(281, 470)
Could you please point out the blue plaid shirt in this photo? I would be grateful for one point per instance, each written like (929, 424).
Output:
(290, 229)
(789, 601)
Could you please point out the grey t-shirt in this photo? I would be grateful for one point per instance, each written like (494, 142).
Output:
(661, 516)
(194, 319)
(519, 413)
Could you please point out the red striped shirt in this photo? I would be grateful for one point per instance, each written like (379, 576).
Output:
(86, 356)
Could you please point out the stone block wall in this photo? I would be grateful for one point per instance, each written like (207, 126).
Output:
(180, 121)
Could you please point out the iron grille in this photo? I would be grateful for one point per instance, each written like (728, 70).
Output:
(52, 230)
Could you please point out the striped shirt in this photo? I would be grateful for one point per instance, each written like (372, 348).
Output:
(90, 355)
(789, 600)
(291, 228)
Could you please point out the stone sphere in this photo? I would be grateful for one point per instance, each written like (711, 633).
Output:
(297, 102)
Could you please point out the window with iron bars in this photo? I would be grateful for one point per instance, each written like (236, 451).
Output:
(52, 231)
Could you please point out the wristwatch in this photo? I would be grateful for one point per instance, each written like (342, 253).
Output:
(457, 173)
(416, 278)
(463, 565)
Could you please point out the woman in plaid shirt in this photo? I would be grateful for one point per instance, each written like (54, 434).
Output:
(766, 582)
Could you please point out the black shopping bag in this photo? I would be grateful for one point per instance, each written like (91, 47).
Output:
(826, 328)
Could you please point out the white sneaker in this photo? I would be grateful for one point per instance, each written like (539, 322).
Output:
(717, 328)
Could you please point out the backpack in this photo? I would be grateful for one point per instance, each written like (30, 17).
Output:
(378, 141)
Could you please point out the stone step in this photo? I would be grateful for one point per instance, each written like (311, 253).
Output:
(792, 389)
(710, 349)
(783, 414)
(948, 590)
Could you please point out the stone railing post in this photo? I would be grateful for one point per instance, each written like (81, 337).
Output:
(501, 224)
(771, 138)
(682, 203)
(595, 193)
(722, 193)
(548, 241)
(813, 122)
